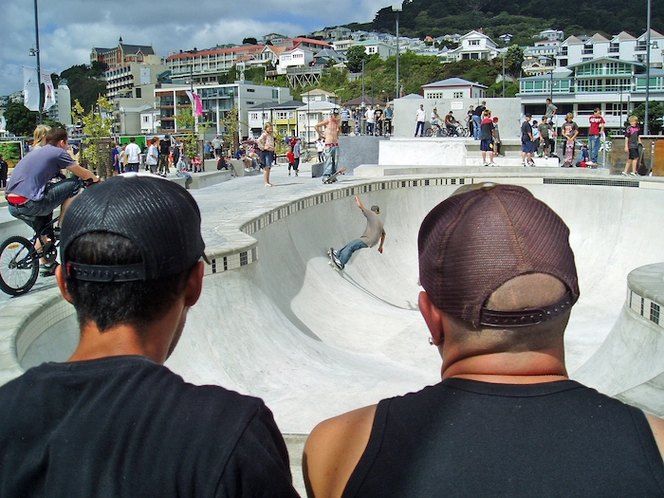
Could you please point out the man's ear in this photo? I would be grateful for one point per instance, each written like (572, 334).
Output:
(60, 278)
(433, 318)
(194, 284)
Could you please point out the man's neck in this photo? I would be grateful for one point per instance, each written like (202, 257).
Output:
(532, 367)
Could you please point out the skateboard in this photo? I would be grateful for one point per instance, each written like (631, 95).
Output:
(333, 178)
(334, 261)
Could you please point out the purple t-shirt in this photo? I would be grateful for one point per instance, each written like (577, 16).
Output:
(36, 169)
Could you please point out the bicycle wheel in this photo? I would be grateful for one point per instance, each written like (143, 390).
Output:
(18, 266)
(429, 132)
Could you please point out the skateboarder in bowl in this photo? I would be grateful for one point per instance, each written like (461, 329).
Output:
(372, 234)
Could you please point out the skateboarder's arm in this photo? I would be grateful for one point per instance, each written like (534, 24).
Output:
(318, 126)
(382, 241)
(359, 203)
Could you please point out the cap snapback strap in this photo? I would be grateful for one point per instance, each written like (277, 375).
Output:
(527, 317)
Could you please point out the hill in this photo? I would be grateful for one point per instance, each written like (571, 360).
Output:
(522, 18)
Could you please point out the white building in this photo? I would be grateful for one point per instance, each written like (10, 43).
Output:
(122, 80)
(61, 111)
(453, 89)
(376, 46)
(298, 56)
(475, 46)
(552, 35)
(311, 114)
(319, 95)
(615, 86)
(216, 100)
(575, 50)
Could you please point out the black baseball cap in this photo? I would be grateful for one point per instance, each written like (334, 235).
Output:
(158, 216)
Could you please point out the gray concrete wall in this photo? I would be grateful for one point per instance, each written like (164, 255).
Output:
(508, 111)
(354, 151)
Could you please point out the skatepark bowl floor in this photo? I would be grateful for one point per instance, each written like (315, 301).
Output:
(276, 321)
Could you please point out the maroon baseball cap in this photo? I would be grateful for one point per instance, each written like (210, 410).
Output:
(485, 235)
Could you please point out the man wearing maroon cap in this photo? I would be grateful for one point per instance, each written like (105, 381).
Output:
(499, 282)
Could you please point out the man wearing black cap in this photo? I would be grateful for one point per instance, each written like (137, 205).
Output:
(112, 420)
(499, 282)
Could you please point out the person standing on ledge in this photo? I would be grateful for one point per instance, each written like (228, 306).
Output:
(372, 234)
(477, 120)
(596, 130)
(499, 282)
(420, 119)
(112, 421)
(332, 127)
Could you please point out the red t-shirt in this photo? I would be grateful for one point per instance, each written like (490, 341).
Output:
(291, 157)
(595, 121)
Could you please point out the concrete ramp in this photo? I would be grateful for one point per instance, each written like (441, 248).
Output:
(314, 342)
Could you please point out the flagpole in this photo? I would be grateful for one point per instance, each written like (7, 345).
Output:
(39, 82)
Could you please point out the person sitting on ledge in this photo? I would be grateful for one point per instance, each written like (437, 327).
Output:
(499, 282)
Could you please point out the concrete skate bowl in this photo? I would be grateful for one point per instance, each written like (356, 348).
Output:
(314, 342)
(276, 321)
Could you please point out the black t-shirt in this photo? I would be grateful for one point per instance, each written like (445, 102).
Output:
(127, 427)
(479, 110)
(164, 148)
(526, 132)
(468, 438)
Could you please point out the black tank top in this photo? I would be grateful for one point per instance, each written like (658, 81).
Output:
(467, 438)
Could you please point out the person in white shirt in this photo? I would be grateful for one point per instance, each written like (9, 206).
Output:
(369, 116)
(420, 117)
(132, 152)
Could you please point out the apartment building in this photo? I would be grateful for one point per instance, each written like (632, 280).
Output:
(217, 100)
(615, 86)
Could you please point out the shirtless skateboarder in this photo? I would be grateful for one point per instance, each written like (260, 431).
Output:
(332, 127)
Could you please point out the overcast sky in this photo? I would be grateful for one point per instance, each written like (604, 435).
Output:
(70, 28)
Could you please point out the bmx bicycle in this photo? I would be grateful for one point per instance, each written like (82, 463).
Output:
(19, 257)
(435, 130)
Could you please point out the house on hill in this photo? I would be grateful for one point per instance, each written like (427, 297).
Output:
(454, 88)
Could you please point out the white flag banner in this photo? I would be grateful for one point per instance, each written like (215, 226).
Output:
(30, 88)
(49, 100)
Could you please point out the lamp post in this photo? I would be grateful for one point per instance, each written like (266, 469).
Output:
(645, 124)
(506, 38)
(397, 7)
(36, 52)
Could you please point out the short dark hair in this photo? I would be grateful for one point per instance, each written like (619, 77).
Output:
(109, 304)
(54, 135)
(132, 139)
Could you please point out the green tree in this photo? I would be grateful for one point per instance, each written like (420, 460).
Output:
(20, 120)
(250, 41)
(354, 57)
(97, 125)
(231, 125)
(514, 61)
(185, 121)
(655, 115)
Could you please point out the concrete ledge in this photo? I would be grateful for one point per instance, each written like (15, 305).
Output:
(427, 152)
(206, 179)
